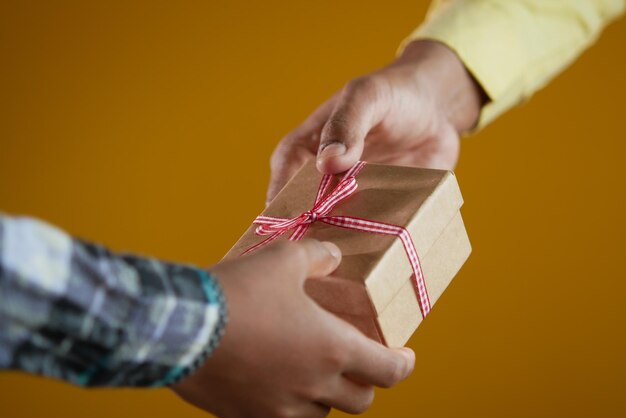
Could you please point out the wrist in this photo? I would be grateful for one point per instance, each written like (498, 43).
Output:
(439, 71)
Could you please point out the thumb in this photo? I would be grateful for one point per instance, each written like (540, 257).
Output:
(361, 106)
(319, 258)
(307, 258)
(296, 259)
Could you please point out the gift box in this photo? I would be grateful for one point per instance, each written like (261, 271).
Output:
(379, 286)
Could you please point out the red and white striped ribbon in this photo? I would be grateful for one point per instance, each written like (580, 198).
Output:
(323, 205)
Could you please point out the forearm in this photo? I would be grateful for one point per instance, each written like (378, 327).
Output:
(75, 311)
(515, 47)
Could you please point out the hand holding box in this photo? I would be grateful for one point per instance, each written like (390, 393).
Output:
(379, 286)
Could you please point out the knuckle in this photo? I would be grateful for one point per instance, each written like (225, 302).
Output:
(352, 338)
(277, 157)
(336, 357)
(290, 154)
(281, 151)
(285, 411)
(287, 248)
(395, 372)
(338, 123)
(365, 402)
(346, 347)
(324, 411)
(365, 83)
(300, 252)
(369, 400)
(296, 253)
(372, 88)
(313, 392)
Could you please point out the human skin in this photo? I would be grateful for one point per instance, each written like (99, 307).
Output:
(411, 112)
(281, 354)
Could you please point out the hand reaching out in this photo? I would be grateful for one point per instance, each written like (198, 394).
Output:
(281, 354)
(408, 113)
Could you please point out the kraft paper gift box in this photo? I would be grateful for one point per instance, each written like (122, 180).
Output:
(373, 287)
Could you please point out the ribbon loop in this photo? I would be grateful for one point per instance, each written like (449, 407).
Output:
(323, 205)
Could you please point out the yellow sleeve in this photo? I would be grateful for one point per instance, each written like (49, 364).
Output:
(515, 47)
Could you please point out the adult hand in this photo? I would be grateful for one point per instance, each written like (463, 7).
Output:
(408, 113)
(281, 354)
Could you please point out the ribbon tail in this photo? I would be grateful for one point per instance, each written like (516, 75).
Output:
(263, 243)
(299, 232)
(268, 220)
(354, 170)
(323, 187)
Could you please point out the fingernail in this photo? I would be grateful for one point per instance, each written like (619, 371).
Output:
(333, 149)
(410, 356)
(332, 249)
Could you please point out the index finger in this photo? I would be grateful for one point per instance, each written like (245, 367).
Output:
(297, 147)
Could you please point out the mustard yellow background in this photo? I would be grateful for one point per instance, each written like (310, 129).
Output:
(148, 126)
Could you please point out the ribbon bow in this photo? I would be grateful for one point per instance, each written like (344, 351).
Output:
(320, 212)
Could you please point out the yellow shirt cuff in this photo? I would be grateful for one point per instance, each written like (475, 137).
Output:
(514, 48)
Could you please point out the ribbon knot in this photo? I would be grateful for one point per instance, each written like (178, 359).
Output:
(324, 203)
(320, 212)
(312, 216)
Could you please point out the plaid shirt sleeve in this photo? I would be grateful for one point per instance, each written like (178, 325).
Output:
(75, 311)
